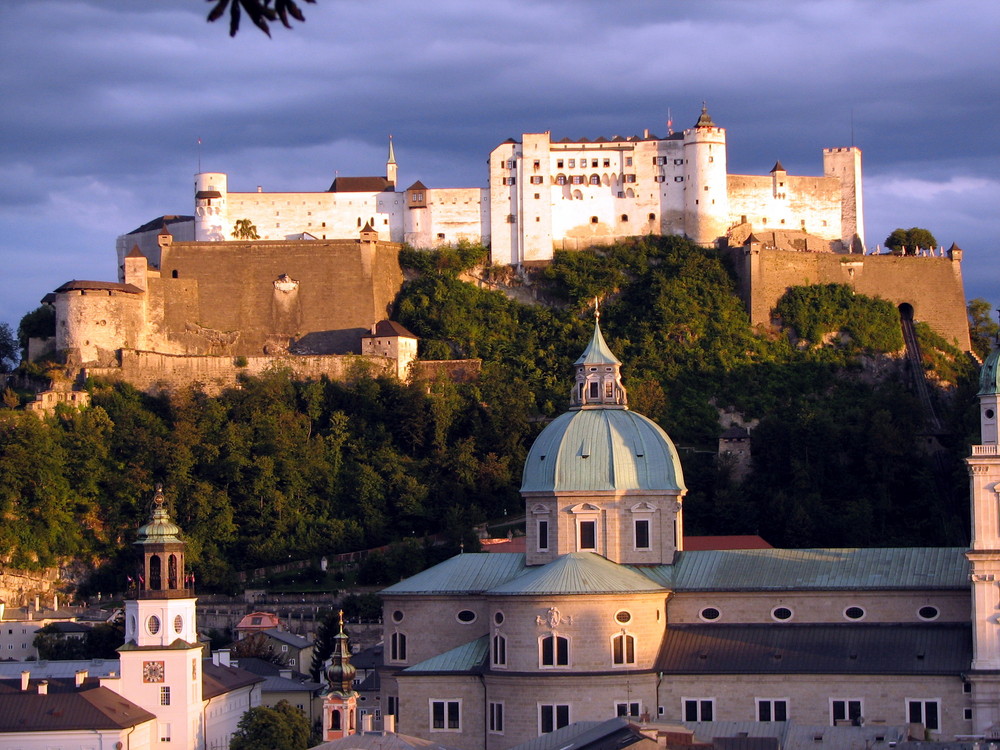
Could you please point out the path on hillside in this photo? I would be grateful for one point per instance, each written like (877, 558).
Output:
(919, 374)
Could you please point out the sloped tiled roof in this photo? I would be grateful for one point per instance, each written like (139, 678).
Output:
(465, 658)
(381, 741)
(76, 285)
(217, 680)
(581, 734)
(849, 648)
(389, 328)
(578, 573)
(66, 707)
(462, 574)
(161, 221)
(285, 637)
(360, 185)
(885, 568)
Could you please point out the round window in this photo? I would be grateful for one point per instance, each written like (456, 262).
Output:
(498, 618)
(466, 616)
(989, 414)
(854, 613)
(397, 616)
(781, 613)
(153, 624)
(709, 613)
(178, 624)
(928, 613)
(623, 616)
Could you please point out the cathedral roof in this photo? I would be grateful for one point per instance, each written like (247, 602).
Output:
(883, 568)
(465, 658)
(602, 449)
(462, 574)
(577, 573)
(989, 375)
(847, 648)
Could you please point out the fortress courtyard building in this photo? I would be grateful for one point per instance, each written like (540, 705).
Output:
(605, 614)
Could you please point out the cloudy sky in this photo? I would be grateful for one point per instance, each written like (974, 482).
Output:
(102, 103)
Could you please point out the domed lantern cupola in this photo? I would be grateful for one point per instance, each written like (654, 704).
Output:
(598, 375)
(161, 575)
(340, 699)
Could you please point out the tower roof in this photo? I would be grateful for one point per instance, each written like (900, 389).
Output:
(705, 120)
(777, 167)
(340, 674)
(597, 352)
(160, 529)
(989, 376)
(392, 153)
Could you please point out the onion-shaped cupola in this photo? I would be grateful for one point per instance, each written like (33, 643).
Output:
(340, 674)
(161, 575)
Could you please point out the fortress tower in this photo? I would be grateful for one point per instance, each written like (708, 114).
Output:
(845, 165)
(706, 196)
(211, 207)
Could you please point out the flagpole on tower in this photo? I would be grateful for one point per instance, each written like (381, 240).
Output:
(199, 155)
(670, 122)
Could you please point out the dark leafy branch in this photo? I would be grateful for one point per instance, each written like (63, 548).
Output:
(261, 13)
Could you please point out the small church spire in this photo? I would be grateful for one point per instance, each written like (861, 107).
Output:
(390, 165)
(598, 374)
(340, 699)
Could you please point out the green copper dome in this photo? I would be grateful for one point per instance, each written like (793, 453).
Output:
(989, 376)
(602, 449)
(160, 529)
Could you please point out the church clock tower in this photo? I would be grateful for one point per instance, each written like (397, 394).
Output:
(984, 555)
(340, 699)
(161, 658)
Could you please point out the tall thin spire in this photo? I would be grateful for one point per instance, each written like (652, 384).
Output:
(392, 152)
(390, 165)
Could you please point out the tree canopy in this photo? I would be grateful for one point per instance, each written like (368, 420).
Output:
(9, 356)
(910, 240)
(261, 13)
(282, 727)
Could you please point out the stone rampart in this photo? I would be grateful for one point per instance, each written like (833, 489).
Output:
(154, 371)
(932, 286)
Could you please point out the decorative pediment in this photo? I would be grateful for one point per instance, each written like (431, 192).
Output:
(643, 507)
(585, 508)
(539, 509)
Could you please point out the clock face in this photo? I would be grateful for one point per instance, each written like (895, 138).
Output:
(152, 671)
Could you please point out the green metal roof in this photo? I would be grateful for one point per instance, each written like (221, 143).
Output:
(989, 376)
(602, 449)
(463, 574)
(465, 658)
(597, 352)
(578, 573)
(887, 568)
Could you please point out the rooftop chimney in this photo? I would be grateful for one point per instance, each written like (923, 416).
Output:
(366, 723)
(81, 675)
(25, 677)
(389, 723)
(43, 687)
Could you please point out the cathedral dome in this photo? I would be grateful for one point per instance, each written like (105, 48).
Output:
(602, 449)
(989, 376)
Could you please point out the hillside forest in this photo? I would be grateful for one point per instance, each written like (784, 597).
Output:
(277, 470)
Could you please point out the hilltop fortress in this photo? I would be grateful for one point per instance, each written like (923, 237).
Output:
(305, 276)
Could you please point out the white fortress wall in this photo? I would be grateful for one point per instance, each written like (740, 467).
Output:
(505, 242)
(810, 204)
(182, 231)
(451, 215)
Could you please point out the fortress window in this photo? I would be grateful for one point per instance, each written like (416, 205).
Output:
(560, 179)
(652, 217)
(678, 162)
(624, 219)
(440, 235)
(659, 178)
(536, 179)
(446, 715)
(628, 161)
(678, 179)
(511, 164)
(577, 179)
(559, 163)
(854, 613)
(711, 159)
(607, 162)
(630, 178)
(537, 196)
(466, 616)
(164, 696)
(595, 179)
(537, 164)
(928, 613)
(552, 717)
(511, 219)
(173, 274)
(781, 613)
(769, 709)
(705, 188)
(709, 614)
(593, 162)
(572, 163)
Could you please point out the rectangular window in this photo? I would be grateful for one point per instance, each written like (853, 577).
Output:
(642, 533)
(577, 179)
(772, 709)
(678, 179)
(628, 161)
(595, 389)
(552, 717)
(446, 716)
(678, 162)
(698, 709)
(164, 696)
(572, 163)
(607, 163)
(165, 733)
(392, 705)
(588, 534)
(593, 163)
(559, 163)
(554, 651)
(536, 179)
(926, 712)
(845, 710)
(543, 535)
(537, 164)
(630, 178)
(496, 718)
(627, 709)
(967, 714)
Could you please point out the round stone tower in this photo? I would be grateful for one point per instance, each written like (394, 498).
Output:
(211, 207)
(706, 192)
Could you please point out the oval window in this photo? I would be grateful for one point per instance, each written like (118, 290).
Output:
(928, 613)
(498, 618)
(709, 613)
(781, 613)
(989, 414)
(178, 624)
(854, 613)
(466, 616)
(623, 616)
(153, 624)
(397, 616)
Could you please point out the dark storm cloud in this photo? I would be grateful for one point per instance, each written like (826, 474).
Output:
(104, 102)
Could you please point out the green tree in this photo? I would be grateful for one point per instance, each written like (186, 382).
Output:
(8, 348)
(983, 329)
(244, 229)
(282, 727)
(39, 323)
(910, 240)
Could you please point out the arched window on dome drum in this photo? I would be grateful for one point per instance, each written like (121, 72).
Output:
(335, 719)
(155, 578)
(499, 651)
(172, 572)
(554, 651)
(397, 647)
(623, 649)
